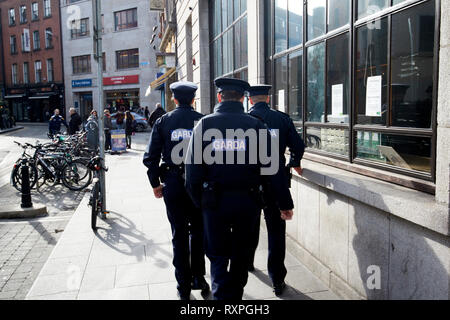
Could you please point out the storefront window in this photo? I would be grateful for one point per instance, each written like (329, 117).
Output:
(240, 43)
(368, 7)
(407, 152)
(295, 23)
(280, 25)
(295, 85)
(412, 66)
(316, 18)
(371, 73)
(316, 83)
(281, 83)
(338, 13)
(329, 140)
(338, 79)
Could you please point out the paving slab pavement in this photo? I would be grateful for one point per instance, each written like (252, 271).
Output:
(131, 256)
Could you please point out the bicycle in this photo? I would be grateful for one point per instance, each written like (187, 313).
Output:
(16, 174)
(96, 199)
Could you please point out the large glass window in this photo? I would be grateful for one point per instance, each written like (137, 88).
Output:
(316, 18)
(369, 86)
(229, 38)
(316, 83)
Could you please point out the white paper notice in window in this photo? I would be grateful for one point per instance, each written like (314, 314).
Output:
(281, 104)
(373, 96)
(337, 100)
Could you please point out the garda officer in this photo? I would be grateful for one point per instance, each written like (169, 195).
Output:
(54, 124)
(172, 131)
(229, 194)
(281, 124)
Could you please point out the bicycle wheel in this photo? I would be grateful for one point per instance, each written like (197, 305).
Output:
(95, 204)
(16, 176)
(76, 175)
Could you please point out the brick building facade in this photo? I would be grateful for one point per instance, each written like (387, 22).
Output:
(32, 54)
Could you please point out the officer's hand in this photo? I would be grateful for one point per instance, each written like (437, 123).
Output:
(158, 192)
(299, 170)
(287, 214)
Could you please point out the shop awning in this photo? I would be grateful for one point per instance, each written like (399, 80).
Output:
(13, 96)
(39, 97)
(163, 78)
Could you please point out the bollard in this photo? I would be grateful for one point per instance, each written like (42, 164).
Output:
(26, 191)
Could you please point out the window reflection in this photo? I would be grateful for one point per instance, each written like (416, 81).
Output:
(412, 66)
(338, 13)
(281, 85)
(295, 86)
(371, 63)
(295, 23)
(328, 139)
(280, 25)
(413, 153)
(368, 7)
(316, 83)
(316, 18)
(338, 80)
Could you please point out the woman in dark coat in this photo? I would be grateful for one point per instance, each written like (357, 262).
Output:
(129, 127)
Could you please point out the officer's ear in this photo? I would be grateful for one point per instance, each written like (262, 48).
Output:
(176, 101)
(268, 99)
(219, 97)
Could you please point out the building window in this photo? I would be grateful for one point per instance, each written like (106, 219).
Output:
(80, 28)
(23, 14)
(34, 11)
(48, 38)
(37, 71)
(50, 70)
(368, 95)
(13, 44)
(26, 73)
(126, 59)
(36, 40)
(12, 16)
(14, 74)
(125, 19)
(47, 8)
(81, 64)
(229, 39)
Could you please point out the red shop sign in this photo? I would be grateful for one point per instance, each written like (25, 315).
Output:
(110, 81)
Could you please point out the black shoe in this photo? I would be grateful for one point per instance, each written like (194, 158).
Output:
(279, 288)
(184, 295)
(199, 283)
(251, 268)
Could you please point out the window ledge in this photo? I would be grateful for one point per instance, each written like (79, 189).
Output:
(412, 205)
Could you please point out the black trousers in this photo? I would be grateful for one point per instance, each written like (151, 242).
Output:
(107, 140)
(276, 233)
(187, 232)
(128, 140)
(227, 242)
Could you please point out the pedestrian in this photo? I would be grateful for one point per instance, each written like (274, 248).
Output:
(92, 130)
(146, 113)
(107, 125)
(171, 130)
(75, 121)
(282, 126)
(55, 122)
(120, 117)
(130, 125)
(156, 114)
(229, 193)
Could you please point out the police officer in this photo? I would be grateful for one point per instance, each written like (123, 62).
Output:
(279, 124)
(228, 193)
(54, 124)
(171, 131)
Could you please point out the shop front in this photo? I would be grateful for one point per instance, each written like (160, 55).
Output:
(119, 98)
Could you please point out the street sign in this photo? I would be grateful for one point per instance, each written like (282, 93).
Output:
(81, 83)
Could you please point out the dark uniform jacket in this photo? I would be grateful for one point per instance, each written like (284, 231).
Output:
(230, 115)
(54, 124)
(156, 114)
(288, 135)
(74, 123)
(168, 131)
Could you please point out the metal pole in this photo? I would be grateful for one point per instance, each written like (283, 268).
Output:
(100, 106)
(26, 192)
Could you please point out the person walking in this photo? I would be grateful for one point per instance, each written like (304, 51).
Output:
(92, 130)
(55, 122)
(75, 121)
(107, 125)
(281, 127)
(227, 192)
(129, 127)
(156, 114)
(146, 113)
(171, 131)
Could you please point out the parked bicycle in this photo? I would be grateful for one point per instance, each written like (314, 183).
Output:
(96, 199)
